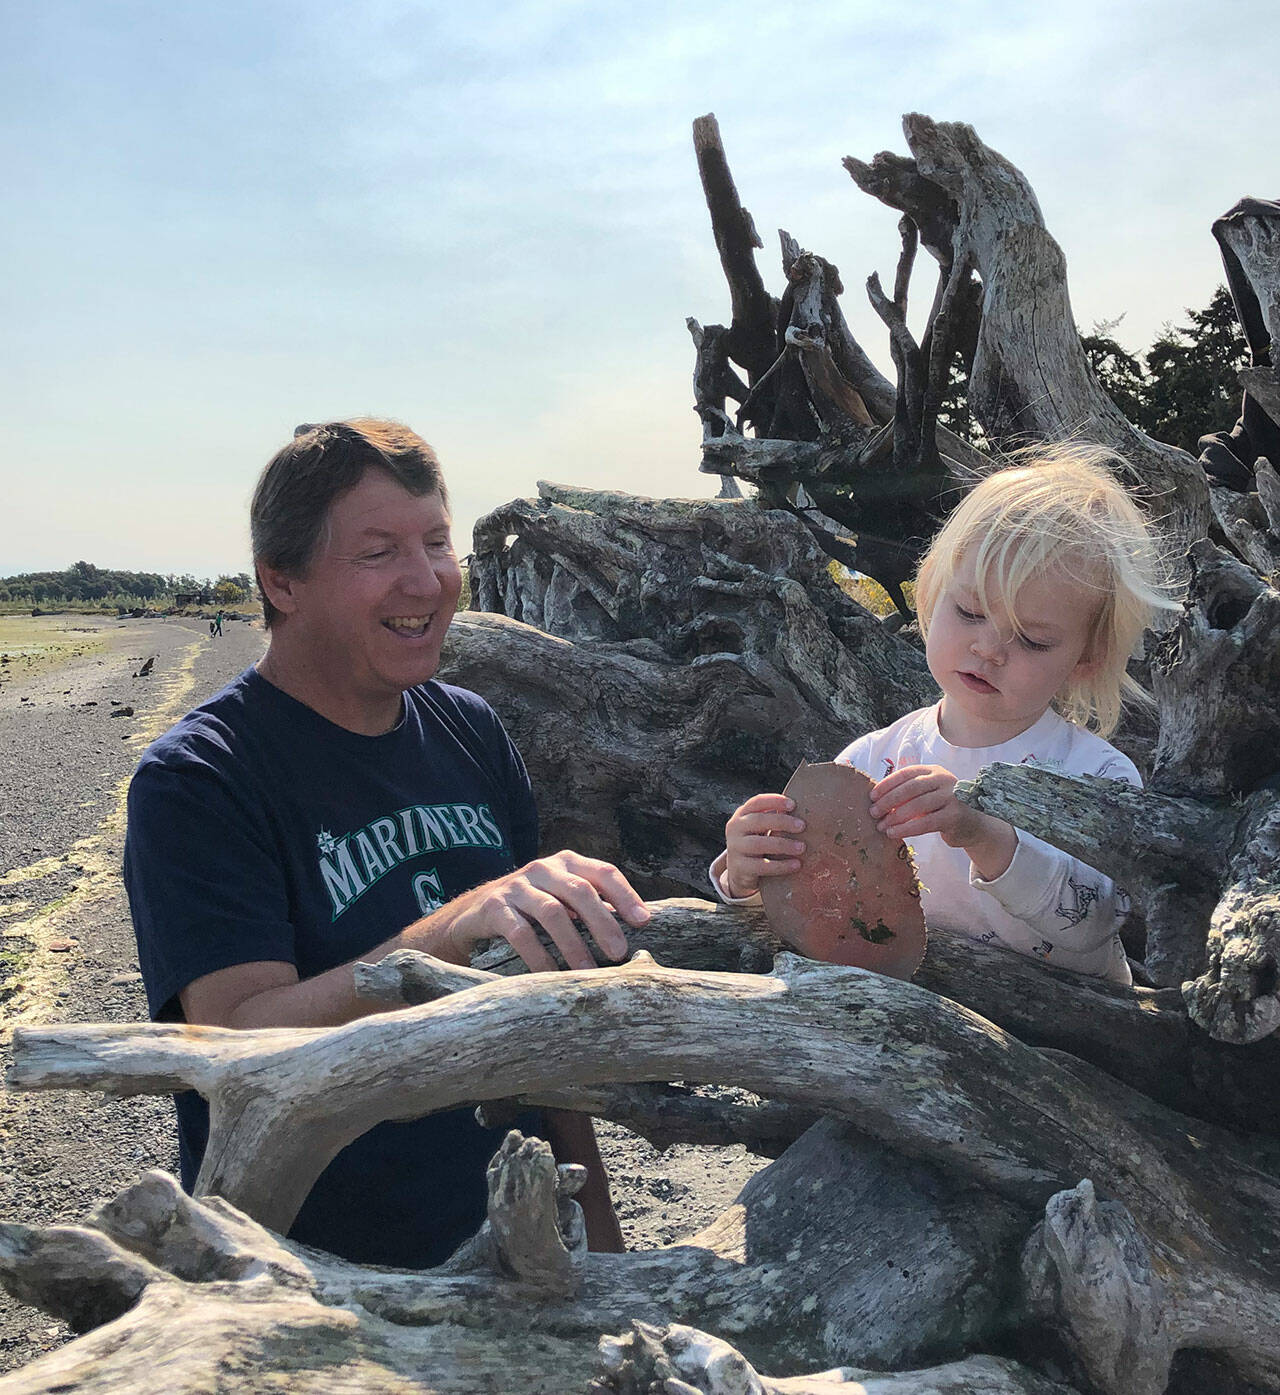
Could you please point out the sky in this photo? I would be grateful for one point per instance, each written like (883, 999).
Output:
(485, 220)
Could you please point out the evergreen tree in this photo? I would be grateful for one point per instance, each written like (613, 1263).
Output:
(1191, 387)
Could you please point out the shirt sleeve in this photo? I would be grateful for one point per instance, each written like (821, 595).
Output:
(205, 882)
(1073, 906)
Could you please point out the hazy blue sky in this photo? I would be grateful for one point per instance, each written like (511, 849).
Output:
(485, 220)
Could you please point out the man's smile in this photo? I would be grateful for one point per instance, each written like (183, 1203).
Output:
(408, 626)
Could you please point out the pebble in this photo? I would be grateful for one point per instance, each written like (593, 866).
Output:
(61, 946)
(117, 980)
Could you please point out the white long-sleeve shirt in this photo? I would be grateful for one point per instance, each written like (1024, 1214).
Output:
(1045, 904)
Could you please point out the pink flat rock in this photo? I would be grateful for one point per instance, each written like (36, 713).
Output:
(855, 899)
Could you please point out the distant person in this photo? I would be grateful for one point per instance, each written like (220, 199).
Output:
(217, 624)
(351, 805)
(1031, 598)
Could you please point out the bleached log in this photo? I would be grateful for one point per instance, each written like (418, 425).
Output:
(917, 1072)
(681, 1360)
(204, 1318)
(1211, 877)
(1142, 1037)
(1169, 854)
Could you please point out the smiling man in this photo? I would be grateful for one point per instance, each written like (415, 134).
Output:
(336, 803)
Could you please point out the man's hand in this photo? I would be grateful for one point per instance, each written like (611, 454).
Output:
(922, 799)
(757, 844)
(553, 893)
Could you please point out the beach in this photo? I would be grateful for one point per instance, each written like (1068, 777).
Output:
(74, 720)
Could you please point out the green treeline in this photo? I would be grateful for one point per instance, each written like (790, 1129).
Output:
(1181, 388)
(82, 583)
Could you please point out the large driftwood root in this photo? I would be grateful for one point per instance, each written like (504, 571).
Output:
(916, 1072)
(1210, 875)
(1030, 378)
(1215, 676)
(641, 747)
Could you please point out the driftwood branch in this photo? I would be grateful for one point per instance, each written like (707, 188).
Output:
(750, 337)
(681, 1360)
(977, 1102)
(1030, 379)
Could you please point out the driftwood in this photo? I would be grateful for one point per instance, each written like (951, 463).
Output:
(761, 661)
(990, 1112)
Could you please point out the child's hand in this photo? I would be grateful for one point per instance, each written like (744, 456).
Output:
(922, 799)
(756, 843)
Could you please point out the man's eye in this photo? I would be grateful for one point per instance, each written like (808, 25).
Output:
(381, 555)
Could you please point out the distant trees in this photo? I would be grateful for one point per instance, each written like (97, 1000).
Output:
(1187, 385)
(1183, 387)
(84, 583)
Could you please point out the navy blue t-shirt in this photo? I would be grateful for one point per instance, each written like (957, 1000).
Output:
(259, 830)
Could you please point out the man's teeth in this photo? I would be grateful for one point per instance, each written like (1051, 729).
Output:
(408, 624)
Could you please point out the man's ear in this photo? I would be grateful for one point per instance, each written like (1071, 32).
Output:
(279, 588)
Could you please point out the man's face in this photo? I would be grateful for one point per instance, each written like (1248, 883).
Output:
(371, 613)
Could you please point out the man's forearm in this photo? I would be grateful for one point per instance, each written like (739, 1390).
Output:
(271, 995)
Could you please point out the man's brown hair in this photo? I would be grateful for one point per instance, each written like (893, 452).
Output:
(290, 509)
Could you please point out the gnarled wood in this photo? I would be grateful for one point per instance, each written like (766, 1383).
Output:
(641, 750)
(1030, 379)
(684, 1361)
(982, 1106)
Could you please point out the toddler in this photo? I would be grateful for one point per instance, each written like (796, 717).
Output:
(1031, 599)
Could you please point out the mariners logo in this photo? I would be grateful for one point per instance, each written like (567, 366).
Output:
(352, 863)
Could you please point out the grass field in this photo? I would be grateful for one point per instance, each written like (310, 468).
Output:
(32, 644)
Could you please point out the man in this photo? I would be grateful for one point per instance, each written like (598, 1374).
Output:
(346, 795)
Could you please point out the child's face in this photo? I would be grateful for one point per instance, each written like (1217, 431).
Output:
(995, 681)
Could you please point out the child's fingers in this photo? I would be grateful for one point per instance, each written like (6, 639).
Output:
(904, 794)
(911, 814)
(766, 803)
(766, 822)
(757, 867)
(764, 845)
(897, 778)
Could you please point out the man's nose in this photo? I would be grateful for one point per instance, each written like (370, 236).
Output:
(421, 577)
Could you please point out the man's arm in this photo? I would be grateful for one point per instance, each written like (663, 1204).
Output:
(550, 892)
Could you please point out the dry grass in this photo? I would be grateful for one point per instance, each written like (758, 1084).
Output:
(34, 644)
(869, 593)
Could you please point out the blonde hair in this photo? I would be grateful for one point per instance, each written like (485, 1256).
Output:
(1060, 509)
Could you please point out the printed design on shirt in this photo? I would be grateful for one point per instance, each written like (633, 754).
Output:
(352, 863)
(1085, 899)
(1045, 763)
(1043, 950)
(428, 891)
(889, 767)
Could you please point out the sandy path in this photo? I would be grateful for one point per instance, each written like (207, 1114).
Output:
(64, 925)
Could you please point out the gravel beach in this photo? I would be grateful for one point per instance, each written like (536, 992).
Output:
(68, 744)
